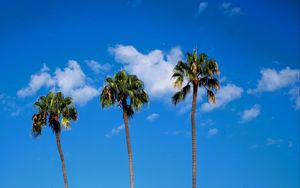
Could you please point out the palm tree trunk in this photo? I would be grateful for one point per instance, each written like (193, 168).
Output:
(125, 117)
(62, 159)
(194, 148)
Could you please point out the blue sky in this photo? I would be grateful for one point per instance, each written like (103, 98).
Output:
(249, 139)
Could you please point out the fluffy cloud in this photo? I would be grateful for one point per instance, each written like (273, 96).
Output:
(37, 81)
(225, 95)
(273, 80)
(154, 69)
(71, 81)
(97, 67)
(202, 7)
(115, 131)
(152, 117)
(229, 9)
(251, 113)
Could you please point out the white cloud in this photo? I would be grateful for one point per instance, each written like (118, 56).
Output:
(71, 81)
(251, 113)
(213, 132)
(224, 96)
(97, 67)
(230, 10)
(273, 80)
(69, 78)
(115, 131)
(37, 81)
(152, 117)
(154, 69)
(84, 94)
(295, 96)
(201, 8)
(271, 141)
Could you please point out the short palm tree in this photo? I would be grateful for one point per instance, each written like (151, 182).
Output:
(58, 111)
(127, 91)
(197, 71)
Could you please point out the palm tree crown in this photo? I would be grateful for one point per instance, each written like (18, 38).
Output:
(53, 107)
(127, 91)
(197, 70)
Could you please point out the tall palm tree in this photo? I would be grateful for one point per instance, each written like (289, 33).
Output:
(197, 71)
(58, 111)
(127, 91)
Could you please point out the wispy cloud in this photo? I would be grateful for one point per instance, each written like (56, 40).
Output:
(177, 133)
(251, 113)
(71, 81)
(230, 10)
(152, 117)
(115, 131)
(207, 123)
(154, 68)
(290, 144)
(224, 96)
(271, 142)
(9, 105)
(295, 96)
(96, 67)
(213, 132)
(201, 8)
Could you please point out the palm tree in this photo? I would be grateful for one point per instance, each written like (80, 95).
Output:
(197, 71)
(127, 91)
(58, 111)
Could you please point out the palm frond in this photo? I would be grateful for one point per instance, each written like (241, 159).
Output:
(180, 95)
(211, 96)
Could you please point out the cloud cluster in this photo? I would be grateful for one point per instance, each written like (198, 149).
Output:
(71, 81)
(251, 113)
(224, 96)
(154, 68)
(229, 9)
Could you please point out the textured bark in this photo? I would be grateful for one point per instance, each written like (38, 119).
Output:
(62, 159)
(125, 117)
(194, 148)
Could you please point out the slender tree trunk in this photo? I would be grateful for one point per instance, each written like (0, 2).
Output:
(125, 117)
(194, 148)
(62, 159)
